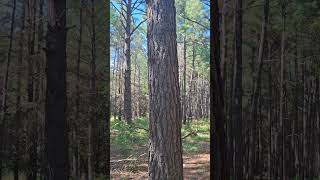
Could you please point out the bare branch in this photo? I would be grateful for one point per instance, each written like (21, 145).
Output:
(120, 12)
(125, 2)
(144, 12)
(135, 5)
(193, 133)
(137, 26)
(205, 27)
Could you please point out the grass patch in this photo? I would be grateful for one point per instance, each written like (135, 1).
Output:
(199, 141)
(126, 139)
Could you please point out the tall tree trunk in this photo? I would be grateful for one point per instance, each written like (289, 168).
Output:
(56, 97)
(281, 120)
(270, 114)
(32, 173)
(224, 14)
(165, 148)
(5, 88)
(257, 86)
(134, 110)
(31, 49)
(296, 111)
(93, 115)
(184, 112)
(114, 82)
(108, 107)
(41, 64)
(237, 92)
(127, 74)
(304, 122)
(139, 90)
(120, 88)
(75, 153)
(18, 96)
(217, 116)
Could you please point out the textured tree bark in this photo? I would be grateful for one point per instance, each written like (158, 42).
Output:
(31, 46)
(184, 112)
(18, 96)
(56, 97)
(108, 108)
(32, 161)
(282, 126)
(237, 92)
(127, 74)
(165, 148)
(5, 87)
(304, 122)
(93, 92)
(217, 116)
(257, 83)
(75, 153)
(224, 14)
(270, 114)
(296, 111)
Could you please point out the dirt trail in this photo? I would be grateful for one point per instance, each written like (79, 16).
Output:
(196, 167)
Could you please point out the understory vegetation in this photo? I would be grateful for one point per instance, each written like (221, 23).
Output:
(127, 140)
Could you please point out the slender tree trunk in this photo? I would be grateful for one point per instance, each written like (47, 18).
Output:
(75, 153)
(270, 115)
(56, 97)
(113, 82)
(237, 92)
(120, 88)
(281, 120)
(116, 85)
(127, 74)
(134, 110)
(93, 121)
(165, 146)
(257, 85)
(31, 43)
(217, 116)
(5, 88)
(184, 113)
(108, 107)
(296, 112)
(224, 15)
(32, 173)
(18, 96)
(41, 64)
(304, 123)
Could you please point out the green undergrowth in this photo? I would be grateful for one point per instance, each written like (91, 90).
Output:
(129, 139)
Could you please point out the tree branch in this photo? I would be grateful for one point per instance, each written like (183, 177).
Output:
(121, 14)
(193, 133)
(137, 26)
(205, 27)
(135, 5)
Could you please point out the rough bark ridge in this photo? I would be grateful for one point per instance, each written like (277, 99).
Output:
(217, 116)
(93, 114)
(56, 99)
(165, 148)
(5, 88)
(237, 92)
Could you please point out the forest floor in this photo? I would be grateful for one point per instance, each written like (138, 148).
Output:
(129, 152)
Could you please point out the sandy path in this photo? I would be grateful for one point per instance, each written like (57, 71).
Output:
(195, 167)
